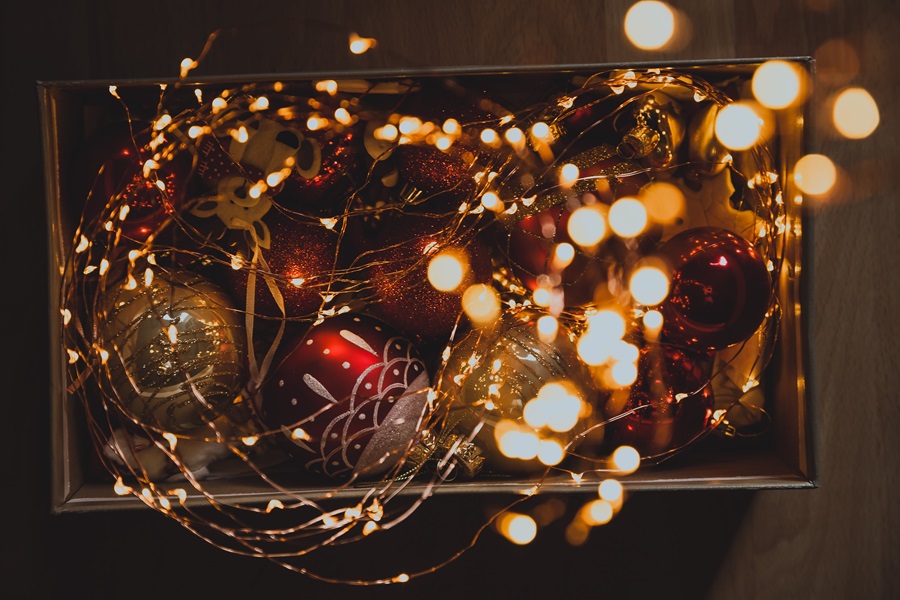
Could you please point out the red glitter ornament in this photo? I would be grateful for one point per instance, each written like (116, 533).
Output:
(398, 272)
(121, 182)
(300, 263)
(434, 180)
(349, 397)
(325, 173)
(671, 400)
(719, 289)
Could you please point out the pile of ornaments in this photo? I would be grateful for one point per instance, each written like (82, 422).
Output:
(265, 290)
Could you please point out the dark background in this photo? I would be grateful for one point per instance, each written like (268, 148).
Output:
(837, 541)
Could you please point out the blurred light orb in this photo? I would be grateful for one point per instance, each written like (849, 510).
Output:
(664, 202)
(626, 459)
(550, 452)
(446, 271)
(649, 25)
(607, 323)
(586, 226)
(627, 217)
(815, 174)
(855, 113)
(517, 528)
(624, 373)
(598, 512)
(649, 286)
(481, 304)
(738, 126)
(653, 320)
(777, 84)
(610, 490)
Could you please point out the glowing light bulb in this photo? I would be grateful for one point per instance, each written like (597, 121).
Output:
(653, 320)
(607, 323)
(550, 452)
(540, 130)
(586, 226)
(624, 352)
(491, 201)
(627, 217)
(481, 303)
(664, 202)
(515, 443)
(738, 126)
(329, 86)
(594, 349)
(624, 373)
(446, 271)
(514, 136)
(597, 512)
(563, 254)
(815, 174)
(451, 127)
(649, 286)
(517, 528)
(777, 84)
(568, 175)
(547, 327)
(490, 137)
(626, 459)
(855, 113)
(649, 25)
(610, 490)
(360, 45)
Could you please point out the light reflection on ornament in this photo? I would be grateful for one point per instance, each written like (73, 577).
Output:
(649, 25)
(855, 113)
(815, 174)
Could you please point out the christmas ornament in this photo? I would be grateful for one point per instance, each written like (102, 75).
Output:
(398, 273)
(176, 350)
(671, 400)
(708, 157)
(329, 168)
(654, 130)
(719, 289)
(349, 397)
(116, 167)
(493, 374)
(434, 181)
(257, 148)
(298, 262)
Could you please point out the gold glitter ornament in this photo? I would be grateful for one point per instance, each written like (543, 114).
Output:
(176, 350)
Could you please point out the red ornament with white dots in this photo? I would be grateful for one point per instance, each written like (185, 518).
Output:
(349, 397)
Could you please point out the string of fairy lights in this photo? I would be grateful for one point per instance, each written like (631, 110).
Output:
(528, 371)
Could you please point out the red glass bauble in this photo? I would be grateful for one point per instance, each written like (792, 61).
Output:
(349, 397)
(671, 400)
(398, 271)
(300, 262)
(326, 176)
(121, 182)
(719, 289)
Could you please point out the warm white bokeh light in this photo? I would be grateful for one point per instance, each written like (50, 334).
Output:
(540, 130)
(550, 452)
(664, 202)
(563, 254)
(855, 113)
(627, 217)
(597, 512)
(624, 373)
(595, 349)
(547, 327)
(610, 490)
(607, 323)
(649, 25)
(446, 271)
(481, 303)
(815, 174)
(738, 126)
(586, 226)
(626, 459)
(653, 320)
(514, 442)
(778, 84)
(649, 286)
(517, 528)
(568, 175)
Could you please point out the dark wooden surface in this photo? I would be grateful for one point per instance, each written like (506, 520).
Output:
(839, 541)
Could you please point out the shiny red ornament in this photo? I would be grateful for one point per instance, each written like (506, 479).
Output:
(398, 272)
(300, 262)
(121, 182)
(671, 400)
(719, 290)
(324, 177)
(349, 397)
